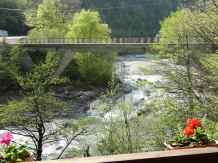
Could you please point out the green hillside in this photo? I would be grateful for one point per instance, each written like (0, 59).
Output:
(128, 18)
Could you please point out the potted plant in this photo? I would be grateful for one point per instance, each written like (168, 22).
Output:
(193, 136)
(14, 152)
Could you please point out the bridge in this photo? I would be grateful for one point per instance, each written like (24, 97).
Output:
(71, 46)
(120, 45)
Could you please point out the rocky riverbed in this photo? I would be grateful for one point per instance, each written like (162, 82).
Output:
(129, 73)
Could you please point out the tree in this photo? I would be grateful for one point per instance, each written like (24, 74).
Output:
(178, 32)
(188, 70)
(37, 115)
(93, 68)
(87, 24)
(49, 21)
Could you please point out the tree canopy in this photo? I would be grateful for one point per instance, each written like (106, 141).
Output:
(87, 24)
(49, 20)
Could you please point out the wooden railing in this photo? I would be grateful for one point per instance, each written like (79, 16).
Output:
(194, 155)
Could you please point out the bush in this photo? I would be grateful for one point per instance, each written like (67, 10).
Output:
(95, 69)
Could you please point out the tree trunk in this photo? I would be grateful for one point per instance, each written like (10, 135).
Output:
(40, 140)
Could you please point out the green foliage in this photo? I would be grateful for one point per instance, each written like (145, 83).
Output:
(121, 134)
(210, 63)
(11, 63)
(36, 81)
(136, 18)
(37, 109)
(200, 138)
(46, 33)
(94, 68)
(87, 24)
(174, 30)
(125, 17)
(38, 56)
(188, 70)
(48, 21)
(49, 14)
(127, 133)
(15, 153)
(11, 18)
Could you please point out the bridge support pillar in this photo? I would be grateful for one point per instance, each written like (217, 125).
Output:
(27, 61)
(64, 62)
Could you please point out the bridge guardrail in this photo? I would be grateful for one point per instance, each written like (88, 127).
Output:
(122, 40)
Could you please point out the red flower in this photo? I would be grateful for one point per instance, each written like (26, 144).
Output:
(193, 123)
(6, 139)
(188, 131)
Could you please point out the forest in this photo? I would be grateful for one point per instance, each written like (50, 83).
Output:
(136, 18)
(126, 18)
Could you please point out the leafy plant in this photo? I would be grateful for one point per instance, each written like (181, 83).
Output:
(14, 152)
(193, 135)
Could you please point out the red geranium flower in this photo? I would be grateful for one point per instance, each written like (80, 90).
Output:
(6, 139)
(188, 131)
(193, 123)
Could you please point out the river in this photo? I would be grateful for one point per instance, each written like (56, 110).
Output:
(128, 71)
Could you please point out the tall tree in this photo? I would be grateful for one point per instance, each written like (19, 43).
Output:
(87, 24)
(37, 115)
(188, 69)
(49, 20)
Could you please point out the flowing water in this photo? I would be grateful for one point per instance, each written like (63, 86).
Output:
(128, 71)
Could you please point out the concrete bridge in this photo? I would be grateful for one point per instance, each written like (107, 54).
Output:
(71, 46)
(120, 45)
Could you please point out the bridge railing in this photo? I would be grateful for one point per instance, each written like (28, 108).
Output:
(92, 41)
